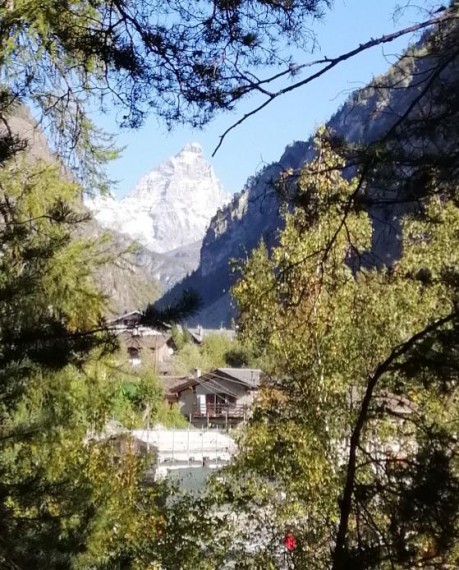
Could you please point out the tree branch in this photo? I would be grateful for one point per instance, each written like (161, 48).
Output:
(339, 555)
(331, 63)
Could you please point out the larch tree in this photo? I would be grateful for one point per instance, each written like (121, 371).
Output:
(56, 495)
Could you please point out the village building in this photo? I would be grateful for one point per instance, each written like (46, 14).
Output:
(222, 397)
(143, 345)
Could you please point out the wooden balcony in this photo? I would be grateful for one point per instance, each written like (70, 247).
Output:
(212, 411)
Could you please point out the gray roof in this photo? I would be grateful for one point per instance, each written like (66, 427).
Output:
(199, 334)
(128, 314)
(248, 376)
(171, 382)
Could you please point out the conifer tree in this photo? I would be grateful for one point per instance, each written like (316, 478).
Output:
(67, 498)
(55, 489)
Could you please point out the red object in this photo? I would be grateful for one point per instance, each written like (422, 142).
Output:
(290, 541)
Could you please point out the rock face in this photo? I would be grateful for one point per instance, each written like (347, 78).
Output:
(234, 231)
(170, 207)
(135, 276)
(127, 278)
(253, 214)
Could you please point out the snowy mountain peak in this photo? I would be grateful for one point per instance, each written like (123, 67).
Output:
(192, 147)
(169, 207)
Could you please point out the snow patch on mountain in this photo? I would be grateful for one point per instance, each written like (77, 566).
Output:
(169, 207)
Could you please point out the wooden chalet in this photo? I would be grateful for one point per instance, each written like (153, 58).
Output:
(222, 397)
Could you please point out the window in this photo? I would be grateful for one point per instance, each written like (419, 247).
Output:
(134, 356)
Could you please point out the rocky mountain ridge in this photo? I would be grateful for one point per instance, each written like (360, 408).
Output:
(127, 278)
(254, 214)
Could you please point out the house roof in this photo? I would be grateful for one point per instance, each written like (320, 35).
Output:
(199, 334)
(126, 315)
(144, 338)
(249, 377)
(171, 382)
(184, 386)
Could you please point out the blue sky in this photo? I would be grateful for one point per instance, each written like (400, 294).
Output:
(262, 138)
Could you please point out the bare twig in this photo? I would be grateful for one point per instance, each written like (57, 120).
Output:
(331, 63)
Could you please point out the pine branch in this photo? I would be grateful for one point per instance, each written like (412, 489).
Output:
(188, 305)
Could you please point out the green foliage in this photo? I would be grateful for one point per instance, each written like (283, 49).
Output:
(214, 348)
(61, 493)
(179, 533)
(60, 497)
(180, 337)
(46, 289)
(358, 431)
(68, 499)
(367, 357)
(138, 401)
(169, 415)
(215, 351)
(188, 358)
